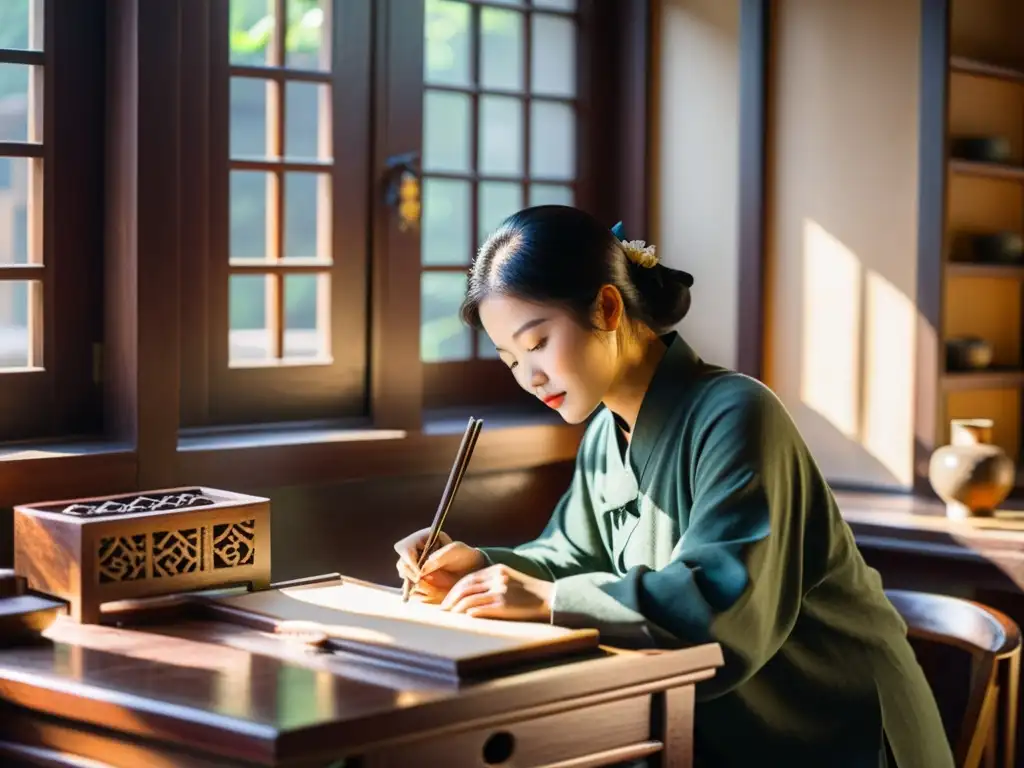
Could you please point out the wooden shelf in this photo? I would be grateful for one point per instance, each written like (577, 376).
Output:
(978, 68)
(987, 170)
(989, 378)
(983, 269)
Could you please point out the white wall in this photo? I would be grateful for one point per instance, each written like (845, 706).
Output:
(695, 162)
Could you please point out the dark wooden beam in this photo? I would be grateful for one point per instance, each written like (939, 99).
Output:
(931, 217)
(142, 330)
(396, 377)
(755, 57)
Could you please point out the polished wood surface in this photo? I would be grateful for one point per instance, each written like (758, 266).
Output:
(918, 527)
(226, 694)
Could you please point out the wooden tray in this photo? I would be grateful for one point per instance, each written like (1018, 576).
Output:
(371, 620)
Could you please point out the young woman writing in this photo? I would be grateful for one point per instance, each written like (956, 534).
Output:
(696, 514)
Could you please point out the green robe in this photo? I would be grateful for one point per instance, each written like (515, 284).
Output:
(717, 526)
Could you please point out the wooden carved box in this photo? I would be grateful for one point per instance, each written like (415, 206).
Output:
(97, 550)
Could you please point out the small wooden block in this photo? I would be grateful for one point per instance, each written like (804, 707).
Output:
(24, 617)
(97, 550)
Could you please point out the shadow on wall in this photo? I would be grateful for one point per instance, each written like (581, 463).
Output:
(856, 363)
(841, 277)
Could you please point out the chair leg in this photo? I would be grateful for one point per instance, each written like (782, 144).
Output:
(1009, 689)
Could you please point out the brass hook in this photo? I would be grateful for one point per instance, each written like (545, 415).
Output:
(404, 189)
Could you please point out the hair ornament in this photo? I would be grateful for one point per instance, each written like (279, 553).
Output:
(637, 251)
(640, 253)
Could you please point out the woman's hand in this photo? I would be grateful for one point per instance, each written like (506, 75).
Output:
(449, 562)
(498, 592)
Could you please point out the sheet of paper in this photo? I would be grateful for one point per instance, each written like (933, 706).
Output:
(370, 615)
(372, 600)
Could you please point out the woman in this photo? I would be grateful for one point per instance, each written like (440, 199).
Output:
(696, 514)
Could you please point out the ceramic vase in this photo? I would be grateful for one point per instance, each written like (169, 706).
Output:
(971, 475)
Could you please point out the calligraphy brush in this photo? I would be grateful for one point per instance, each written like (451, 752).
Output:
(462, 458)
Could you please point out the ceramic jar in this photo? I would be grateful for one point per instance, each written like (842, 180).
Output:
(971, 475)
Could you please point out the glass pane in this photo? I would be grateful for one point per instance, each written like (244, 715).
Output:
(307, 42)
(249, 335)
(551, 194)
(15, 107)
(249, 97)
(556, 5)
(446, 128)
(446, 238)
(250, 31)
(249, 221)
(307, 121)
(15, 337)
(307, 301)
(307, 216)
(552, 140)
(498, 201)
(443, 335)
(21, 24)
(485, 348)
(16, 180)
(446, 50)
(501, 49)
(553, 55)
(501, 135)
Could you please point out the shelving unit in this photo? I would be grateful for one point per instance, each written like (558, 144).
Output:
(985, 97)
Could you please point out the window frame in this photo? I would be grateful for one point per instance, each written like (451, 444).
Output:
(213, 393)
(132, 218)
(385, 383)
(62, 397)
(612, 65)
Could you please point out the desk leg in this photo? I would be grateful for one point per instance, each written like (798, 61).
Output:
(672, 725)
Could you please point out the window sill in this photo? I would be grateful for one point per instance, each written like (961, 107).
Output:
(263, 458)
(267, 457)
(34, 472)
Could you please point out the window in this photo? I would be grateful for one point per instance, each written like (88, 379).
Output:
(285, 272)
(308, 299)
(499, 133)
(46, 385)
(22, 268)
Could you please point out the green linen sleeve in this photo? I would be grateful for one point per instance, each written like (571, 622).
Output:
(736, 575)
(570, 543)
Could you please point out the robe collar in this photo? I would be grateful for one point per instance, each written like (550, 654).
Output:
(674, 372)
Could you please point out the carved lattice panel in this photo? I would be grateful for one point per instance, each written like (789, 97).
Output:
(122, 558)
(177, 552)
(234, 544)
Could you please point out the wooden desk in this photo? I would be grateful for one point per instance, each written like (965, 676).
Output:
(204, 693)
(910, 537)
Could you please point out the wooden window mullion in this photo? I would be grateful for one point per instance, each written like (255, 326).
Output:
(527, 102)
(476, 43)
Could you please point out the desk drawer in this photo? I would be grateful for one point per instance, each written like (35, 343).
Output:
(527, 743)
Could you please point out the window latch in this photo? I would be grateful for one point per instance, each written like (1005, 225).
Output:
(403, 188)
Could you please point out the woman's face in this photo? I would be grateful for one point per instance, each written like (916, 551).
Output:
(568, 367)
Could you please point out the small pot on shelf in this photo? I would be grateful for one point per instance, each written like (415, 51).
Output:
(971, 475)
(968, 353)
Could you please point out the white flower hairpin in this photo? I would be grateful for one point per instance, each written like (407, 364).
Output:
(641, 253)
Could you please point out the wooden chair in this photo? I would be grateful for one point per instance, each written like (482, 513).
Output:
(983, 721)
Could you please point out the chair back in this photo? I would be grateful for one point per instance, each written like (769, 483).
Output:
(970, 654)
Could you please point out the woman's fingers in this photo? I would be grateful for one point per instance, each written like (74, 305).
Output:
(472, 600)
(438, 557)
(427, 593)
(407, 571)
(468, 585)
(496, 608)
